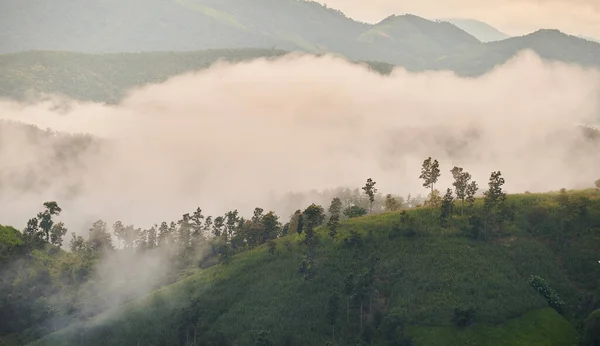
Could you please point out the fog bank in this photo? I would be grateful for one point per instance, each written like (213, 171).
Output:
(235, 136)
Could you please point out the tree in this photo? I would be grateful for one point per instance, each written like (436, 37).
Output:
(472, 189)
(334, 217)
(163, 234)
(207, 226)
(231, 221)
(196, 223)
(332, 312)
(296, 222)
(370, 191)
(494, 199)
(391, 203)
(45, 218)
(77, 244)
(218, 226)
(430, 173)
(446, 208)
(119, 232)
(434, 199)
(313, 216)
(152, 238)
(57, 233)
(461, 184)
(32, 232)
(271, 226)
(99, 239)
(355, 211)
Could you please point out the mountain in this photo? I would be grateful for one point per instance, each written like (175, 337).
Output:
(551, 45)
(397, 275)
(408, 41)
(411, 41)
(482, 31)
(112, 26)
(172, 25)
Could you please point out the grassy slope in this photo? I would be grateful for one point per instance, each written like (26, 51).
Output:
(422, 278)
(544, 327)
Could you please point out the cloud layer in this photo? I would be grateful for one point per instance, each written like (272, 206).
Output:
(234, 136)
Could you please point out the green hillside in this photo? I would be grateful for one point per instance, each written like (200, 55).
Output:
(409, 275)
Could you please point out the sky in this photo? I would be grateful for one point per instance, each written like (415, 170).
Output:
(513, 17)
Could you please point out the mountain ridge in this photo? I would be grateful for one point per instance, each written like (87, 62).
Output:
(192, 25)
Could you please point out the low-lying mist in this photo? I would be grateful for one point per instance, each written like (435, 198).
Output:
(240, 136)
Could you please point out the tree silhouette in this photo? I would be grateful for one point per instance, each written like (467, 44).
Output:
(446, 208)
(334, 210)
(430, 173)
(370, 190)
(472, 189)
(45, 218)
(461, 184)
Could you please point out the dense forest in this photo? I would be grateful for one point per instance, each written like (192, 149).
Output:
(469, 264)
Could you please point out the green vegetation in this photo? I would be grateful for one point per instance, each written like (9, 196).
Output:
(506, 269)
(543, 327)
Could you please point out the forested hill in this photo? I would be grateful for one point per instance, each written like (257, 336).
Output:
(518, 270)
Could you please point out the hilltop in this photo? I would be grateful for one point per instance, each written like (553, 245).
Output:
(551, 45)
(425, 281)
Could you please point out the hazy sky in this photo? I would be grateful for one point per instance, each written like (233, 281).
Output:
(514, 17)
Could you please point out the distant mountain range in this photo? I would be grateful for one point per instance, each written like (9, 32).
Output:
(213, 27)
(482, 31)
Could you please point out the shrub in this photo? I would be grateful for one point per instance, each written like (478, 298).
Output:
(272, 246)
(355, 211)
(544, 289)
(355, 239)
(463, 318)
(392, 329)
(473, 229)
(591, 329)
